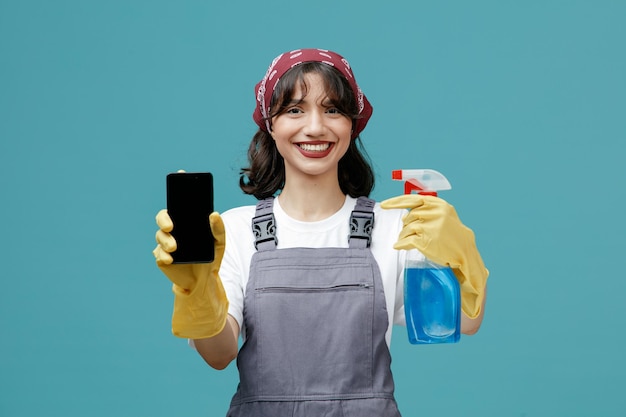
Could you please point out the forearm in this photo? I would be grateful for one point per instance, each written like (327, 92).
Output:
(470, 326)
(220, 350)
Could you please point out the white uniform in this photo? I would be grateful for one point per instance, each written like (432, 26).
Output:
(330, 232)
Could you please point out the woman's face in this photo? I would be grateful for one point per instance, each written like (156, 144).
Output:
(311, 134)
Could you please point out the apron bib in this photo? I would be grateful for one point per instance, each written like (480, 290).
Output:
(315, 322)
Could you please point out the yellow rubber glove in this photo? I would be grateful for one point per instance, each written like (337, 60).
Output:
(200, 303)
(433, 227)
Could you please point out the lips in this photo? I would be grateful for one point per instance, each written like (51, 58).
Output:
(314, 149)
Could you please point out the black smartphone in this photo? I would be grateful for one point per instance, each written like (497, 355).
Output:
(189, 204)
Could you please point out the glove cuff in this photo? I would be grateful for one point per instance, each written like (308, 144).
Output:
(472, 285)
(190, 322)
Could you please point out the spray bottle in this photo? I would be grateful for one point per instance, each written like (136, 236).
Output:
(432, 297)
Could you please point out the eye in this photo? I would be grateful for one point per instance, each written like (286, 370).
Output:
(333, 110)
(293, 110)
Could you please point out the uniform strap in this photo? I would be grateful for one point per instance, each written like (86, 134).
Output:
(362, 223)
(264, 225)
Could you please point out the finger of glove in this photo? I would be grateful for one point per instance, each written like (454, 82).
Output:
(164, 221)
(434, 210)
(162, 257)
(423, 216)
(411, 229)
(412, 241)
(217, 227)
(219, 234)
(421, 243)
(414, 216)
(403, 201)
(166, 241)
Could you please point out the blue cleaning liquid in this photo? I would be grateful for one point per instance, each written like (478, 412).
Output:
(432, 304)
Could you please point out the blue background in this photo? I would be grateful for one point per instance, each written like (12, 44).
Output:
(520, 104)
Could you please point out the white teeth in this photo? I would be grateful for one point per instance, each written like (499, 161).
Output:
(314, 148)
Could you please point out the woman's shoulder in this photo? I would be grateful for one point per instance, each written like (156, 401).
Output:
(240, 211)
(238, 216)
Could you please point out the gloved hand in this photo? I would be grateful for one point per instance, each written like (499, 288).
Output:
(200, 303)
(433, 227)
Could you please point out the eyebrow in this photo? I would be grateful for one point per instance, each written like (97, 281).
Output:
(294, 101)
(327, 101)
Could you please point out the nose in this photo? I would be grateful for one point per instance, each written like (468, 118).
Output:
(314, 123)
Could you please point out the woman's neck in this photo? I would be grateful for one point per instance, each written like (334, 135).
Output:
(310, 200)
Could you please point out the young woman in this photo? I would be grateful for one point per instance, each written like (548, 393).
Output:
(311, 277)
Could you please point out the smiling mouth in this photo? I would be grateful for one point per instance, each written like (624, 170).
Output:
(319, 147)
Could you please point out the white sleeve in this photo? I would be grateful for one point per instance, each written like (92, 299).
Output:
(236, 262)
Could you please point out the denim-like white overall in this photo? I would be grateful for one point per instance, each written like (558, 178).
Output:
(315, 322)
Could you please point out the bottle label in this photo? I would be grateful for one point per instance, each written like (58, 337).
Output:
(432, 305)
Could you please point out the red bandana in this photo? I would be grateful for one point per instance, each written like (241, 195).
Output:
(284, 62)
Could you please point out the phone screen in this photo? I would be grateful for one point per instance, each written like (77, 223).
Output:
(189, 204)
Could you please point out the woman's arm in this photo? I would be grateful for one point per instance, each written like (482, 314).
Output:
(220, 350)
(471, 326)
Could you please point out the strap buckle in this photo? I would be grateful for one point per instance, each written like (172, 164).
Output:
(361, 226)
(264, 229)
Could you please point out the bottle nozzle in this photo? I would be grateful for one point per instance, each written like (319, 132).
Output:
(424, 181)
(396, 174)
